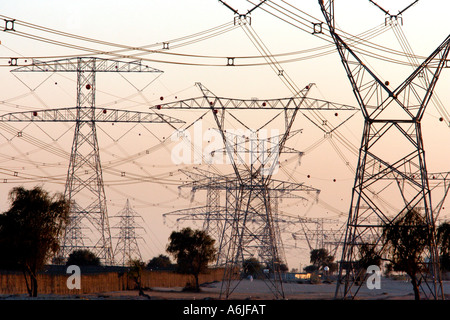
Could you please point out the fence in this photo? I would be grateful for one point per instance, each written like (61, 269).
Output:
(56, 283)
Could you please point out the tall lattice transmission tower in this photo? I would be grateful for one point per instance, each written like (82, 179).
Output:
(127, 247)
(390, 114)
(217, 218)
(250, 228)
(84, 185)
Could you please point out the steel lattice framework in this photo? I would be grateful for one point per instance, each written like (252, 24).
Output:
(388, 114)
(84, 175)
(251, 227)
(318, 233)
(217, 219)
(127, 247)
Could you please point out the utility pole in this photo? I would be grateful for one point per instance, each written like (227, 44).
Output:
(84, 175)
(217, 219)
(251, 222)
(402, 175)
(127, 247)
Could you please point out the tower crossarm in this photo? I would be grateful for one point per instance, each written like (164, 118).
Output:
(198, 214)
(202, 180)
(412, 95)
(292, 103)
(285, 189)
(290, 187)
(85, 114)
(75, 64)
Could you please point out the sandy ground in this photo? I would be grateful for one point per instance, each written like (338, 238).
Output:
(250, 290)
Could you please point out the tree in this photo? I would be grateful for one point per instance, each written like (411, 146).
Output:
(321, 258)
(83, 257)
(193, 250)
(251, 267)
(135, 272)
(30, 230)
(159, 262)
(368, 256)
(310, 269)
(406, 240)
(443, 241)
(276, 265)
(284, 267)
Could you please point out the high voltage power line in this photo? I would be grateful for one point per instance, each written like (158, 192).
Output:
(362, 44)
(166, 47)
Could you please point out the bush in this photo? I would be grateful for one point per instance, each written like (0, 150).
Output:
(315, 278)
(83, 257)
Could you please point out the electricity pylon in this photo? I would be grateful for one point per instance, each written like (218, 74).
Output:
(217, 218)
(251, 191)
(320, 233)
(127, 247)
(389, 115)
(84, 175)
(393, 17)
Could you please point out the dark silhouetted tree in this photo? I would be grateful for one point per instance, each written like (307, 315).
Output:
(193, 250)
(284, 267)
(443, 241)
(83, 257)
(29, 231)
(321, 258)
(406, 241)
(252, 267)
(136, 268)
(159, 262)
(369, 256)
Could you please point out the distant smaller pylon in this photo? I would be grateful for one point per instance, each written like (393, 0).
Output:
(127, 247)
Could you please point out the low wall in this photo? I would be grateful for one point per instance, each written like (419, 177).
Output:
(14, 283)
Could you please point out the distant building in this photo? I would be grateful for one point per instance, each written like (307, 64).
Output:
(294, 276)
